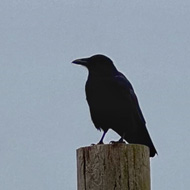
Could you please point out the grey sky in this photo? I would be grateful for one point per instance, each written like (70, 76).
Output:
(44, 116)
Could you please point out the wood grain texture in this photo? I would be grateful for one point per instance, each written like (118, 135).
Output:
(113, 167)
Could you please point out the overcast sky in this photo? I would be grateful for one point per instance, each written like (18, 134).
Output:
(44, 116)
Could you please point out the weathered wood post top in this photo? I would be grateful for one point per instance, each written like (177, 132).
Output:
(116, 166)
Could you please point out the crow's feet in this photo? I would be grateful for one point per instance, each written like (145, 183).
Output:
(116, 142)
(100, 142)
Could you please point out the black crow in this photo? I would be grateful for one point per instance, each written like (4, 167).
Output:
(113, 103)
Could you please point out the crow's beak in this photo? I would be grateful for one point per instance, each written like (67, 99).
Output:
(83, 62)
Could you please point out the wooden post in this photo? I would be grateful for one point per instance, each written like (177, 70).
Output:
(113, 167)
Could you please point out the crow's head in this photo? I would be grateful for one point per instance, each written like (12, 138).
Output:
(97, 64)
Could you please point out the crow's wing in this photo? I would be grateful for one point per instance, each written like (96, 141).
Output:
(127, 88)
